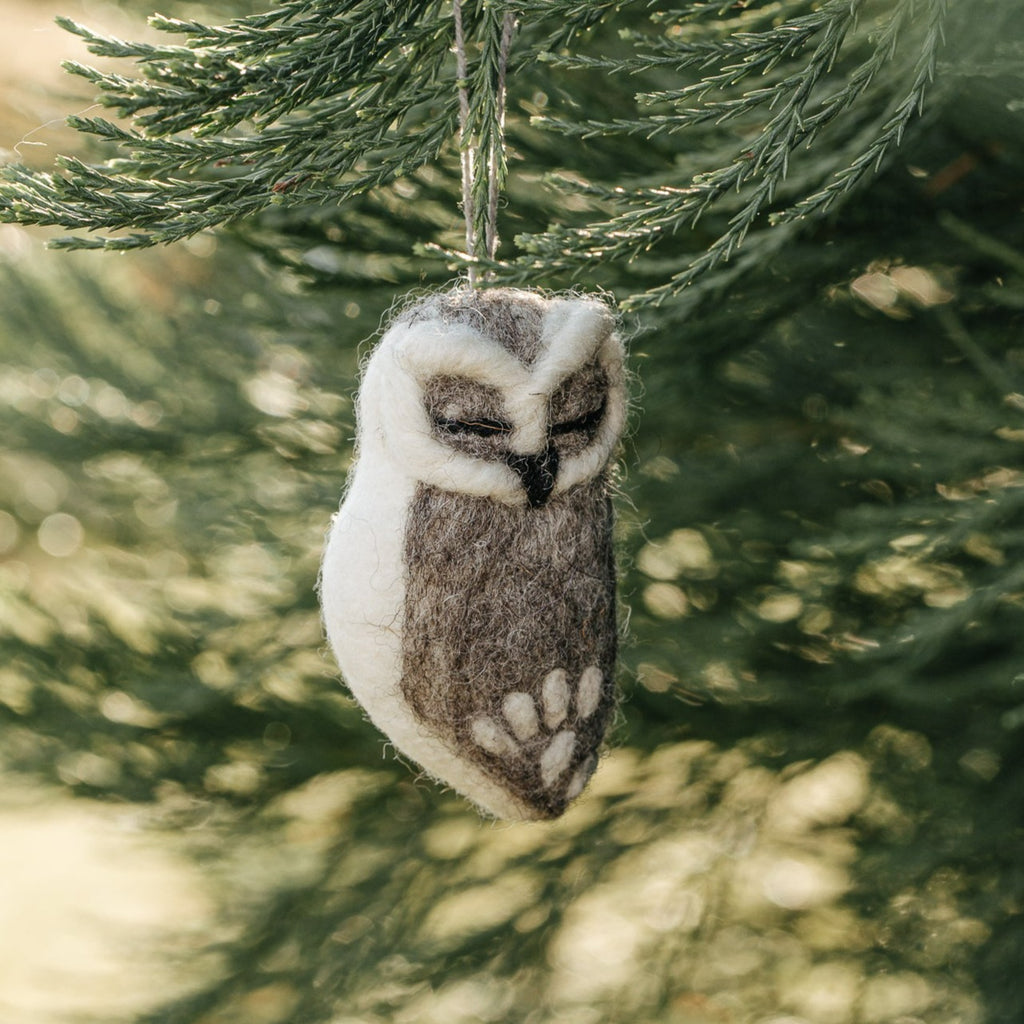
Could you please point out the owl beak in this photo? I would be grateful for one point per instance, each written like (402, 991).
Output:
(536, 472)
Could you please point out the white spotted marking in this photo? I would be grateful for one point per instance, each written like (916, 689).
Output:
(488, 734)
(521, 714)
(589, 694)
(556, 758)
(580, 777)
(555, 696)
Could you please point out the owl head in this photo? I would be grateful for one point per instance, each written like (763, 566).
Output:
(502, 394)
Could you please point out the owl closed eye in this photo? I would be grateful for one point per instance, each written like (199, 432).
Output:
(472, 418)
(467, 416)
(577, 409)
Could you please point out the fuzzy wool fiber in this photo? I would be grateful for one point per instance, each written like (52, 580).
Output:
(468, 586)
(497, 598)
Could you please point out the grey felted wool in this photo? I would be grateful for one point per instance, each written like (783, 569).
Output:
(498, 597)
(510, 316)
(468, 586)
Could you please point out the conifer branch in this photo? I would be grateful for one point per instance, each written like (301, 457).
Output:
(302, 104)
(787, 113)
(312, 103)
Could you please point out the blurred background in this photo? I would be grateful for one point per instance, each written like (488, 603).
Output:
(810, 808)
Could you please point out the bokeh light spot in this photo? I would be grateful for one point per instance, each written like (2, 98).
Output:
(60, 535)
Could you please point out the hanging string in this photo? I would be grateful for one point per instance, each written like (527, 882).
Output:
(464, 147)
(497, 148)
(497, 145)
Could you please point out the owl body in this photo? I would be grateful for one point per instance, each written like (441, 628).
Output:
(468, 585)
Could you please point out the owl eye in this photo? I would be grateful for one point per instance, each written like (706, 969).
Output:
(583, 423)
(475, 427)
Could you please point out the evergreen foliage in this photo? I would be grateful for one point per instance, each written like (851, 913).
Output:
(317, 103)
(306, 103)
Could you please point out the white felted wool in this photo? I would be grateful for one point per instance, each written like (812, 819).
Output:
(468, 585)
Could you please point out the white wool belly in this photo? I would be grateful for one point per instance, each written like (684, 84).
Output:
(362, 595)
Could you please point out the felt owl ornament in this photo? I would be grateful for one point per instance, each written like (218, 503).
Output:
(468, 584)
